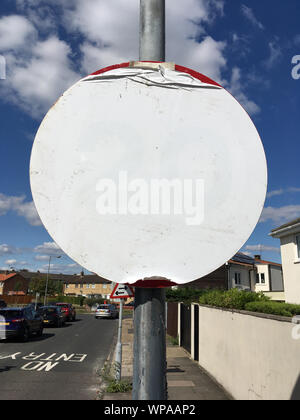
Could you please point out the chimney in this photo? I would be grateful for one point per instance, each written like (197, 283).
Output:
(257, 257)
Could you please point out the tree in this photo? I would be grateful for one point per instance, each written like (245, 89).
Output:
(38, 285)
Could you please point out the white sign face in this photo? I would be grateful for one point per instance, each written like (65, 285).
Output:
(144, 173)
(122, 291)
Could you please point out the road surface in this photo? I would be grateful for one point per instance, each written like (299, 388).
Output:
(64, 364)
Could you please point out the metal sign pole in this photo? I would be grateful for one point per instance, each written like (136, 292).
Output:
(152, 30)
(149, 369)
(118, 360)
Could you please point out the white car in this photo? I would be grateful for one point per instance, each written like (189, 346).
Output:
(107, 311)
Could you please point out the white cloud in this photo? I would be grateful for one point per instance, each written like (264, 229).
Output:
(10, 262)
(275, 53)
(275, 193)
(15, 32)
(249, 14)
(236, 88)
(262, 248)
(48, 248)
(36, 80)
(22, 208)
(7, 249)
(41, 257)
(61, 268)
(280, 214)
(282, 191)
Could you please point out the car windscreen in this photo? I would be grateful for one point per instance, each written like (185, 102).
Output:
(11, 314)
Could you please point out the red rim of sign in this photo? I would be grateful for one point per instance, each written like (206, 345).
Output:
(180, 69)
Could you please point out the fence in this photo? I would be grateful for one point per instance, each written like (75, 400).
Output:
(172, 317)
(253, 356)
(16, 300)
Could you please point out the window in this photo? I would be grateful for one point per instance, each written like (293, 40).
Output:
(298, 245)
(87, 286)
(76, 286)
(67, 286)
(93, 286)
(81, 286)
(237, 278)
(104, 286)
(257, 278)
(262, 278)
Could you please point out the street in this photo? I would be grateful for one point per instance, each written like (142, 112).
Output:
(64, 364)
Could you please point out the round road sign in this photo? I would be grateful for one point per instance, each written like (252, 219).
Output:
(152, 172)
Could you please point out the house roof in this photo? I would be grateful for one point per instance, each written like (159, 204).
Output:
(257, 261)
(88, 279)
(292, 223)
(240, 263)
(242, 259)
(286, 229)
(4, 277)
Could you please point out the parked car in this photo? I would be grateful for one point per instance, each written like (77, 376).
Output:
(53, 315)
(95, 307)
(69, 311)
(107, 311)
(20, 323)
(2, 304)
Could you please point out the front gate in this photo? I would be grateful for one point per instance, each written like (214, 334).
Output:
(185, 327)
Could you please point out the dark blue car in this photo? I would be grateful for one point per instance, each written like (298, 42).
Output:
(20, 323)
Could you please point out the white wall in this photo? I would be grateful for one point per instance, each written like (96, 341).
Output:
(252, 358)
(245, 279)
(260, 287)
(291, 269)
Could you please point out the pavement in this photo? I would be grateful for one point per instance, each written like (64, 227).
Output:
(186, 380)
(63, 364)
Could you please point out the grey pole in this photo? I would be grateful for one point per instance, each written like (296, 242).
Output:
(150, 366)
(46, 289)
(152, 30)
(118, 361)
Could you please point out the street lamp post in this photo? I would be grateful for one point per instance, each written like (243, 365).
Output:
(47, 281)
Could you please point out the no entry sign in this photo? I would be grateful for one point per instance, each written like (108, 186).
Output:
(148, 171)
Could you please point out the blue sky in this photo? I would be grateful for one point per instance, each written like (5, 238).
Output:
(49, 44)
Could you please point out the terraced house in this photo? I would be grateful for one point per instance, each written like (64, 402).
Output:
(88, 286)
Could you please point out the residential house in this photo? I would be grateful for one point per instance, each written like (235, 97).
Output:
(269, 279)
(13, 284)
(239, 272)
(289, 235)
(88, 286)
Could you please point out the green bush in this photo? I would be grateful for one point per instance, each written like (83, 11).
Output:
(274, 308)
(231, 299)
(93, 301)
